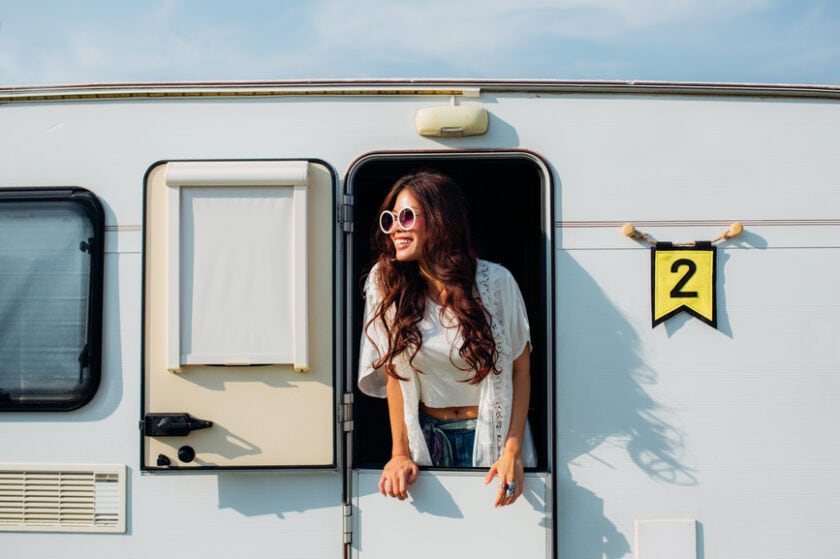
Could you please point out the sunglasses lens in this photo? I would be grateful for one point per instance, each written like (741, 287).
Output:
(386, 221)
(406, 218)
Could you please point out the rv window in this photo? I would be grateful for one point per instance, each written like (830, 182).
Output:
(50, 298)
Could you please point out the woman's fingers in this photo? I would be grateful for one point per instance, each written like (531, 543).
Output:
(400, 492)
(490, 475)
(397, 476)
(393, 486)
(500, 496)
(389, 486)
(508, 493)
(511, 485)
(412, 475)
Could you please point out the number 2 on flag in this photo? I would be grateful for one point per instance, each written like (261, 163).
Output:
(683, 279)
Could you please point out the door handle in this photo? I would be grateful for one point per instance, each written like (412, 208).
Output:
(171, 424)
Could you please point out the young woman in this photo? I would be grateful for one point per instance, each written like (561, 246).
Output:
(447, 341)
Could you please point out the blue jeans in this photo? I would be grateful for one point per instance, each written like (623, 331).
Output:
(450, 442)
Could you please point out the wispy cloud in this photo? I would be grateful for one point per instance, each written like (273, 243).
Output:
(529, 38)
(439, 25)
(175, 40)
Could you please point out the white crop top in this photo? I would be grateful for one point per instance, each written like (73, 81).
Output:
(443, 370)
(509, 323)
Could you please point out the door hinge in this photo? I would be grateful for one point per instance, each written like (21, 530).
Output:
(348, 523)
(345, 213)
(345, 412)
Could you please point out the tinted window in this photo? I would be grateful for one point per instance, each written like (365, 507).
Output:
(51, 247)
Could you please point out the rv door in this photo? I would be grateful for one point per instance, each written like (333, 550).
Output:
(450, 512)
(238, 367)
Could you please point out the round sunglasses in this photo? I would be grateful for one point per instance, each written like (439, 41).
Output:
(406, 218)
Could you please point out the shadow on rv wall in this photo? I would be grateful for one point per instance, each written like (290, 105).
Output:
(745, 241)
(279, 492)
(499, 133)
(431, 497)
(601, 400)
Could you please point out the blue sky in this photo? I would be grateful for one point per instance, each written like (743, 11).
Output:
(93, 41)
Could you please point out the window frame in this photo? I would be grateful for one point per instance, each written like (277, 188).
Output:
(91, 207)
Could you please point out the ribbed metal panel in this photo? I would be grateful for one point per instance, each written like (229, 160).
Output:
(62, 498)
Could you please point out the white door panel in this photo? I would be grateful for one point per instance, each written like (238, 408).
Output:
(450, 514)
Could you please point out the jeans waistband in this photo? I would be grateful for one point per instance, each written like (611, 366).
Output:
(448, 424)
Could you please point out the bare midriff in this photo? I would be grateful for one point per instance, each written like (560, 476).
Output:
(452, 413)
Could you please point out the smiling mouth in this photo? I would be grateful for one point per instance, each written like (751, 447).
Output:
(402, 243)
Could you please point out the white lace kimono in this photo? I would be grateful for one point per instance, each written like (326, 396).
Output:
(509, 323)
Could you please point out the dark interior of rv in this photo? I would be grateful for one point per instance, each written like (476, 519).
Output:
(505, 193)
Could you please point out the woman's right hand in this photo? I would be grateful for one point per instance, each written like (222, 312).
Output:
(398, 475)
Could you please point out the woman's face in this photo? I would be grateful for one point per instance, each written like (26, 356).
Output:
(409, 245)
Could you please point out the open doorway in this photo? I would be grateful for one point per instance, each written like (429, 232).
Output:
(509, 198)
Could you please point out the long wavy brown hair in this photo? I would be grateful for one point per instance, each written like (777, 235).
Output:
(450, 259)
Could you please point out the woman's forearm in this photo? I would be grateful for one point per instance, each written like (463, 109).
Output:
(396, 415)
(400, 472)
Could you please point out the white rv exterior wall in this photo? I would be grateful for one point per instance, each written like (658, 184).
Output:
(730, 426)
(735, 428)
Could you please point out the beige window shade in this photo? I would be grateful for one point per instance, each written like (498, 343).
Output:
(237, 267)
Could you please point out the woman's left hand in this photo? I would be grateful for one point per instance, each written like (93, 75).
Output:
(510, 471)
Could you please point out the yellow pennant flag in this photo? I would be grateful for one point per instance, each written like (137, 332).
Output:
(683, 279)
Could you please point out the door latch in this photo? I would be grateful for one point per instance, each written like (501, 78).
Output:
(171, 424)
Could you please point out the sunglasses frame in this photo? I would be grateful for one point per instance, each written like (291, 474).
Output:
(396, 221)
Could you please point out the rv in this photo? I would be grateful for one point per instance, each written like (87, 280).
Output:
(181, 274)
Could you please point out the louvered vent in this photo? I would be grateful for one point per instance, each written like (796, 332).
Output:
(44, 498)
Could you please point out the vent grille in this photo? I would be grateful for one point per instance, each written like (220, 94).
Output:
(62, 498)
